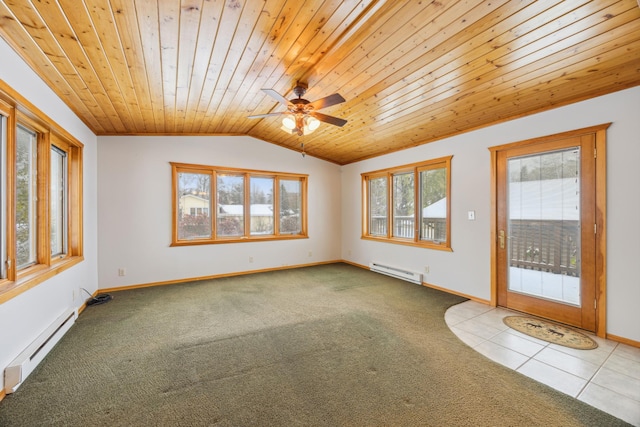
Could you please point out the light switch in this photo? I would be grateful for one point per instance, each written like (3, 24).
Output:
(471, 215)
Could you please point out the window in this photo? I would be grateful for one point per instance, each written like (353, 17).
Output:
(409, 204)
(230, 192)
(3, 190)
(58, 212)
(262, 205)
(246, 205)
(40, 196)
(377, 209)
(291, 206)
(403, 204)
(26, 197)
(194, 203)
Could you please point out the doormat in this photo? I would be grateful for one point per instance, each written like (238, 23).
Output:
(550, 332)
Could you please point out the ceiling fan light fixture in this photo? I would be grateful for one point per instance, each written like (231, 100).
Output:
(312, 123)
(287, 130)
(289, 122)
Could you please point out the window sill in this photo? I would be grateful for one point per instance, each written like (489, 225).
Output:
(34, 276)
(424, 245)
(239, 240)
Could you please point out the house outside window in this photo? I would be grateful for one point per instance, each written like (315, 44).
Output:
(222, 205)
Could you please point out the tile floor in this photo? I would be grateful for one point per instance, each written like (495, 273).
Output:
(607, 377)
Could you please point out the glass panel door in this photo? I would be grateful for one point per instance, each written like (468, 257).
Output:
(545, 218)
(543, 225)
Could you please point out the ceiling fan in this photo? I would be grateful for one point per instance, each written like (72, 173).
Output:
(302, 117)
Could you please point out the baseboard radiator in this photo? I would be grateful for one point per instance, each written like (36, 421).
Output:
(26, 362)
(399, 273)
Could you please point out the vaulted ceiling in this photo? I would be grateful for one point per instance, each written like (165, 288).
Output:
(411, 71)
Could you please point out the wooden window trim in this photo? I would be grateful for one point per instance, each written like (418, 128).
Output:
(415, 168)
(214, 171)
(19, 111)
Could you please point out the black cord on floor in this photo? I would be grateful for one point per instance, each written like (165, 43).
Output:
(98, 299)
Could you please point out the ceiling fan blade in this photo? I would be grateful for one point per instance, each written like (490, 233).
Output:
(327, 101)
(272, 93)
(262, 116)
(329, 119)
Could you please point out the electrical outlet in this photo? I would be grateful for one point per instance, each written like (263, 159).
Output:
(426, 269)
(250, 259)
(122, 272)
(310, 253)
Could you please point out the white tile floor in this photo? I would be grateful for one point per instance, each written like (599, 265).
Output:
(607, 377)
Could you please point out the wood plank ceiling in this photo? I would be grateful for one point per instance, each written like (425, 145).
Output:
(411, 71)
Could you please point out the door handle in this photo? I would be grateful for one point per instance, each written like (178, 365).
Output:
(501, 238)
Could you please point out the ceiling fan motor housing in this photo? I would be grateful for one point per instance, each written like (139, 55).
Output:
(300, 89)
(298, 103)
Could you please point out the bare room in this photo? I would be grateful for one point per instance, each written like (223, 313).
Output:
(281, 212)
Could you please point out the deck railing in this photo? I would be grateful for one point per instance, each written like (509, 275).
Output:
(434, 229)
(541, 245)
(545, 245)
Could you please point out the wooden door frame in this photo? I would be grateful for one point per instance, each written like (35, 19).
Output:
(600, 132)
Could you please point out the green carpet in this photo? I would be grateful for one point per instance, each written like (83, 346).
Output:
(331, 345)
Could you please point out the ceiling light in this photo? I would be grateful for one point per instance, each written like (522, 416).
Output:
(289, 122)
(287, 130)
(298, 124)
(312, 123)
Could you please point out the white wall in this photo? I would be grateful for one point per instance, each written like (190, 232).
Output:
(134, 190)
(23, 318)
(467, 269)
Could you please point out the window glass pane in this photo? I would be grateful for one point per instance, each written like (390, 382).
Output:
(261, 205)
(543, 225)
(433, 204)
(194, 206)
(26, 201)
(378, 206)
(290, 204)
(230, 205)
(58, 212)
(403, 205)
